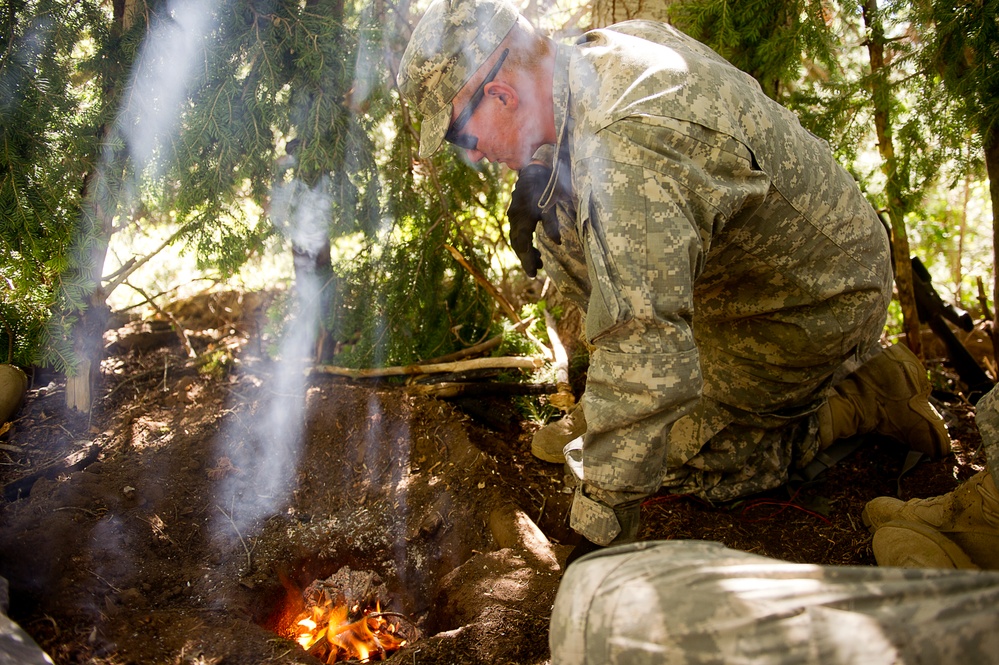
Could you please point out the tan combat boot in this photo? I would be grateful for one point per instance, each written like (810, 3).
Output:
(549, 441)
(887, 394)
(914, 545)
(968, 518)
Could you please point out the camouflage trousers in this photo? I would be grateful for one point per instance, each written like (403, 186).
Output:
(700, 602)
(987, 418)
(756, 421)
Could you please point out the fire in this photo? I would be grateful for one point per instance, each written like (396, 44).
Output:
(326, 631)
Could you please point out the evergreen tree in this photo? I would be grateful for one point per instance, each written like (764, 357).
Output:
(960, 58)
(763, 38)
(106, 116)
(49, 109)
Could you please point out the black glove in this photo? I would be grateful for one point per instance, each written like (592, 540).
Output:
(524, 214)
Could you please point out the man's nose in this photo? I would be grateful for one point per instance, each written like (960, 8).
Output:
(475, 155)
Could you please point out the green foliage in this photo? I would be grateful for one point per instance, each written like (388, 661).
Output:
(291, 101)
(764, 38)
(287, 98)
(44, 127)
(962, 53)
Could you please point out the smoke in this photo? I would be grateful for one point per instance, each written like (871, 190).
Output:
(267, 453)
(160, 80)
(24, 55)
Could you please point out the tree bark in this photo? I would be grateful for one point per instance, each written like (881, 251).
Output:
(880, 94)
(992, 168)
(97, 224)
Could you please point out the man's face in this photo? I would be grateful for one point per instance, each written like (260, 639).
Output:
(488, 125)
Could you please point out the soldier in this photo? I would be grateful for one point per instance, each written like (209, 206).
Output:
(735, 280)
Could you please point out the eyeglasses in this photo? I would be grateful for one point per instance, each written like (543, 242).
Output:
(454, 135)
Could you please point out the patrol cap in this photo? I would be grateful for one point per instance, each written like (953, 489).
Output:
(452, 40)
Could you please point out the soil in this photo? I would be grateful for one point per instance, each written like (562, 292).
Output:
(181, 520)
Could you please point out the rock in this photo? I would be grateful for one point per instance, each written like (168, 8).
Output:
(13, 385)
(16, 646)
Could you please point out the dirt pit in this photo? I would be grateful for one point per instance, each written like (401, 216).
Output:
(182, 521)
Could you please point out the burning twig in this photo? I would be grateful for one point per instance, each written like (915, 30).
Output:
(343, 620)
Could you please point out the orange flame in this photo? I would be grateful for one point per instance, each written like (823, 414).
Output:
(325, 632)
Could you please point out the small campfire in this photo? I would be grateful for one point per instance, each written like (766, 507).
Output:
(342, 620)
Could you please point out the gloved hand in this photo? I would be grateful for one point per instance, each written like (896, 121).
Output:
(524, 214)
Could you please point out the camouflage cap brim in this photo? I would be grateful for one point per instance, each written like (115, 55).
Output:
(433, 129)
(452, 40)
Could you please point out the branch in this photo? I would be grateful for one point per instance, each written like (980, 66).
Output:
(181, 333)
(563, 399)
(118, 278)
(436, 368)
(485, 283)
(449, 389)
(500, 298)
(481, 347)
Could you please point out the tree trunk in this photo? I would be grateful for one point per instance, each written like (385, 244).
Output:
(607, 12)
(97, 223)
(313, 279)
(992, 168)
(880, 94)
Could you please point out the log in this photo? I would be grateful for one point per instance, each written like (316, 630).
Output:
(435, 368)
(446, 390)
(21, 487)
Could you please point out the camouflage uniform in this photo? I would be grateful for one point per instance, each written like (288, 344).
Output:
(987, 419)
(729, 268)
(675, 602)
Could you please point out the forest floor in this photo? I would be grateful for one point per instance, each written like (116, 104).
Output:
(181, 521)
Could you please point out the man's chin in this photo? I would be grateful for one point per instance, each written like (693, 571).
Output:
(515, 163)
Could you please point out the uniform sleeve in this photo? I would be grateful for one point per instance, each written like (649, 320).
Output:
(652, 193)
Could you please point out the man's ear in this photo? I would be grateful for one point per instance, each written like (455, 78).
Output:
(504, 92)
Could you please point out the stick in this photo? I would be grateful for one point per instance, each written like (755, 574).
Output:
(983, 300)
(117, 278)
(476, 349)
(563, 399)
(486, 284)
(181, 333)
(435, 368)
(457, 389)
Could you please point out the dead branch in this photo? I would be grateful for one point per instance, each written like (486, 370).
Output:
(479, 348)
(118, 278)
(500, 298)
(436, 368)
(563, 399)
(449, 389)
(181, 333)
(485, 283)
